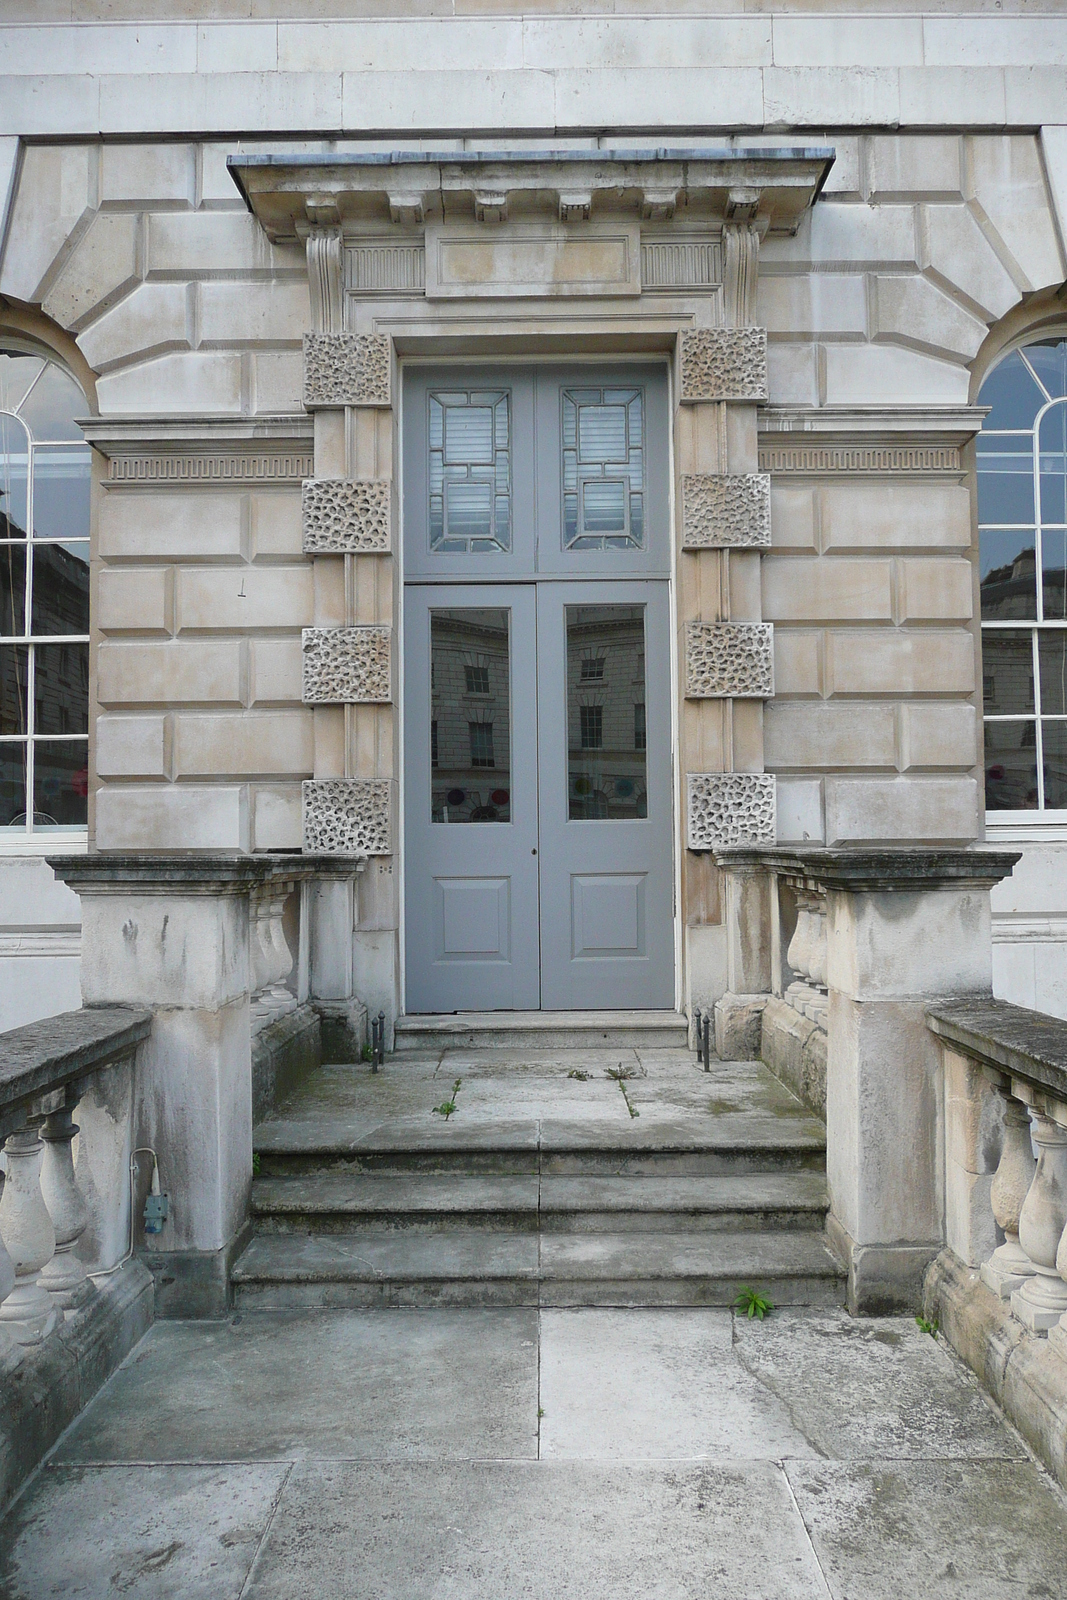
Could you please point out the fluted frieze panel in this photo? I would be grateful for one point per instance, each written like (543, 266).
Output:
(348, 816)
(729, 660)
(724, 364)
(346, 369)
(347, 666)
(730, 808)
(726, 511)
(346, 515)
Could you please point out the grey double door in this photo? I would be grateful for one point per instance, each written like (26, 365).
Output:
(537, 760)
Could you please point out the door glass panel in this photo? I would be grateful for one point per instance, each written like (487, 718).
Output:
(470, 471)
(603, 469)
(470, 716)
(606, 713)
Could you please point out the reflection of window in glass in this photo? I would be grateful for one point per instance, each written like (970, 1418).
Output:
(481, 736)
(606, 764)
(603, 469)
(592, 669)
(639, 727)
(463, 752)
(470, 471)
(477, 679)
(44, 598)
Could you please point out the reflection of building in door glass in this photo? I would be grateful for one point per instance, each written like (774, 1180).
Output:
(606, 713)
(470, 727)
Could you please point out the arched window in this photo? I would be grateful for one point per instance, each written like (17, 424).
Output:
(44, 599)
(1022, 518)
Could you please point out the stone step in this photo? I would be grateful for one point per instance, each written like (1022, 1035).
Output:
(479, 1267)
(542, 1030)
(344, 1202)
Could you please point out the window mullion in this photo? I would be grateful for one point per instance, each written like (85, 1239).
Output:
(1039, 743)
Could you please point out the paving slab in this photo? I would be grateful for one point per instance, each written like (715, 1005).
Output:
(871, 1386)
(550, 1531)
(94, 1533)
(322, 1384)
(972, 1530)
(642, 1384)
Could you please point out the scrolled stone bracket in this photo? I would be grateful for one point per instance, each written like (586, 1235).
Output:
(726, 511)
(348, 816)
(347, 369)
(725, 808)
(729, 661)
(347, 666)
(346, 516)
(724, 364)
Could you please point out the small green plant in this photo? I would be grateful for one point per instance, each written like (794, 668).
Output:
(620, 1073)
(540, 1411)
(448, 1107)
(366, 1054)
(926, 1326)
(255, 1163)
(578, 1075)
(753, 1304)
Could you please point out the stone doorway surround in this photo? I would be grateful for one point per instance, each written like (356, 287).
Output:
(534, 253)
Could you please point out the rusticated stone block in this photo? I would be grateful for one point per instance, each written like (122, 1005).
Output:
(346, 369)
(724, 364)
(730, 808)
(348, 816)
(729, 661)
(343, 516)
(723, 511)
(347, 666)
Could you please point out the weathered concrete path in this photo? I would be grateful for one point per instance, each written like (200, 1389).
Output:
(493, 1454)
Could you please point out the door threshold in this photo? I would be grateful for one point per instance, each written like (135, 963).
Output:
(546, 1030)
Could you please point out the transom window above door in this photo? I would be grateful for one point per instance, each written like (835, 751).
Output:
(519, 471)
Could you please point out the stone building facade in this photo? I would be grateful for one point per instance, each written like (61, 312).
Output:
(815, 241)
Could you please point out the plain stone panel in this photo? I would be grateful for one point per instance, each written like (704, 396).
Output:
(41, 105)
(803, 734)
(239, 47)
(140, 103)
(131, 747)
(654, 41)
(148, 48)
(970, 1227)
(172, 525)
(896, 944)
(865, 516)
(278, 380)
(799, 807)
(233, 313)
(849, 236)
(190, 1531)
(920, 662)
(1050, 973)
(938, 736)
(1001, 41)
(491, 44)
(887, 810)
(1037, 884)
(154, 317)
(883, 374)
(973, 1122)
(193, 817)
(103, 266)
(277, 528)
(830, 305)
(1033, 96)
(843, 41)
(796, 662)
(412, 101)
(35, 987)
(55, 190)
(192, 381)
(200, 241)
(843, 179)
(936, 590)
(1009, 186)
(192, 672)
(906, 166)
(276, 670)
(251, 597)
(792, 518)
(792, 374)
(29, 880)
(953, 97)
(1054, 152)
(913, 311)
(249, 744)
(177, 951)
(131, 599)
(277, 817)
(827, 590)
(958, 254)
(668, 97)
(1014, 974)
(860, 97)
(147, 172)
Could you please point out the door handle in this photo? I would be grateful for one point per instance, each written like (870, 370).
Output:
(533, 852)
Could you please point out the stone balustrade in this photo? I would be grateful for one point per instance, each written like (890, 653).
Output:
(46, 1070)
(1005, 1083)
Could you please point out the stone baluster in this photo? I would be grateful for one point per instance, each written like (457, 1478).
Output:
(64, 1277)
(1009, 1266)
(28, 1313)
(1041, 1300)
(799, 944)
(817, 950)
(272, 960)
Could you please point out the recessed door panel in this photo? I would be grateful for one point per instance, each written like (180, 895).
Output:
(472, 919)
(607, 914)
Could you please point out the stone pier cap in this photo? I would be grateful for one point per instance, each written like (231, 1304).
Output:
(769, 188)
(202, 873)
(1008, 1040)
(875, 871)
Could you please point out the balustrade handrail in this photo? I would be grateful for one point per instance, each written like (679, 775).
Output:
(48, 1055)
(1008, 1039)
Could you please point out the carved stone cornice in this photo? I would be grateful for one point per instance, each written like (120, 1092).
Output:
(185, 452)
(887, 441)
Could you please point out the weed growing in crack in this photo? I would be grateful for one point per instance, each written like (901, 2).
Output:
(926, 1326)
(753, 1304)
(579, 1076)
(447, 1107)
(619, 1075)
